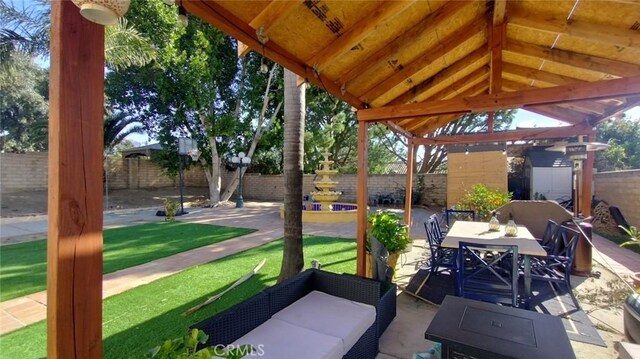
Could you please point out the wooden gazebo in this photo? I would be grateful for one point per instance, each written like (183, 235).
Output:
(411, 65)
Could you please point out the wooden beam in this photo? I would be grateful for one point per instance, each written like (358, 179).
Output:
(272, 14)
(629, 103)
(357, 32)
(602, 34)
(561, 114)
(510, 135)
(538, 75)
(243, 49)
(574, 59)
(504, 100)
(499, 9)
(496, 40)
(449, 44)
(409, 183)
(445, 74)
(409, 37)
(363, 195)
(473, 91)
(219, 17)
(74, 239)
(587, 181)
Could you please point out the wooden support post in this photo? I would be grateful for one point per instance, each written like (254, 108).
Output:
(363, 172)
(587, 181)
(74, 244)
(409, 185)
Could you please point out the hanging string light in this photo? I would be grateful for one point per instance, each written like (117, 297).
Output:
(263, 67)
(183, 16)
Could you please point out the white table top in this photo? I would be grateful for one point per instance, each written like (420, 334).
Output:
(478, 232)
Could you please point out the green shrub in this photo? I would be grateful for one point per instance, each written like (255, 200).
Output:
(483, 200)
(389, 231)
(170, 209)
(187, 348)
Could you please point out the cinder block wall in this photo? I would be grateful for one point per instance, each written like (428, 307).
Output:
(620, 189)
(271, 187)
(23, 171)
(466, 170)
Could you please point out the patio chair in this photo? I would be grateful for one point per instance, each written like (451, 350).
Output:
(441, 258)
(488, 278)
(453, 215)
(438, 221)
(548, 240)
(556, 267)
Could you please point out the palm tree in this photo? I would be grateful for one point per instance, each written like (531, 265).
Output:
(117, 126)
(294, 111)
(27, 31)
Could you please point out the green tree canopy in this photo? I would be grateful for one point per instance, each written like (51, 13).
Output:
(623, 137)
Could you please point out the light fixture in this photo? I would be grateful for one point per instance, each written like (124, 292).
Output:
(504, 150)
(241, 160)
(103, 12)
(466, 151)
(169, 2)
(263, 67)
(183, 16)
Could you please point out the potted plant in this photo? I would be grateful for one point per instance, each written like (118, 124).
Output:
(389, 230)
(631, 316)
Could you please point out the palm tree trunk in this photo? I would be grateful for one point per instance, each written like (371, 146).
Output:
(294, 110)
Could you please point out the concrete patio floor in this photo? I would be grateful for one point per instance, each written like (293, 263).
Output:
(405, 335)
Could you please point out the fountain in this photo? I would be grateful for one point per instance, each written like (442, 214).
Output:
(324, 208)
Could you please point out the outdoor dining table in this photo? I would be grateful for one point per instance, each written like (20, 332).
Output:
(484, 330)
(478, 232)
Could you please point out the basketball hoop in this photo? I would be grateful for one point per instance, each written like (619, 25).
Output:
(194, 154)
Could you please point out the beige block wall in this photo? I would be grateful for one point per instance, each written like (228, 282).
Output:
(466, 170)
(23, 171)
(620, 189)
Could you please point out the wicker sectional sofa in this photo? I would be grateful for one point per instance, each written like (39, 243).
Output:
(315, 314)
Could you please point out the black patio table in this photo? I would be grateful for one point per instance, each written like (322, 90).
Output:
(472, 329)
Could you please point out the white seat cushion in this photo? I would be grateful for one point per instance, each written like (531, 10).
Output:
(330, 315)
(277, 339)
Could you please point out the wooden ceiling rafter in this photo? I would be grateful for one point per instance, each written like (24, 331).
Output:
(586, 107)
(574, 59)
(439, 121)
(509, 135)
(216, 15)
(539, 75)
(460, 88)
(597, 33)
(503, 100)
(357, 32)
(630, 102)
(449, 44)
(560, 113)
(419, 30)
(269, 17)
(497, 36)
(444, 75)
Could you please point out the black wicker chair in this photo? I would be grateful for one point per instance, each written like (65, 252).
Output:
(231, 324)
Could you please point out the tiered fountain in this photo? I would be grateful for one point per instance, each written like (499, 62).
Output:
(324, 208)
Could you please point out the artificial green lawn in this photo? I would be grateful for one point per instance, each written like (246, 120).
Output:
(141, 318)
(23, 266)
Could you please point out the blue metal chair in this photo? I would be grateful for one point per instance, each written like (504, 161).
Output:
(548, 240)
(453, 215)
(556, 267)
(491, 279)
(441, 258)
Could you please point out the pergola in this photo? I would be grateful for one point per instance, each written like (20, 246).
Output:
(412, 65)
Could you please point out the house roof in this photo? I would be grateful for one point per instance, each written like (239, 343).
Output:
(452, 57)
(142, 150)
(541, 158)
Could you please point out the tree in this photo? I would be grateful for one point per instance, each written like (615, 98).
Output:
(117, 126)
(294, 123)
(23, 105)
(622, 135)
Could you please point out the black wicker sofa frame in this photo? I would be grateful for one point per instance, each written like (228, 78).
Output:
(231, 324)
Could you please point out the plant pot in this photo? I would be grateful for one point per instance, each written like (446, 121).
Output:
(392, 261)
(631, 318)
(104, 12)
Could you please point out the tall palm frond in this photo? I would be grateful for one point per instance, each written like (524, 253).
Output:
(117, 126)
(124, 46)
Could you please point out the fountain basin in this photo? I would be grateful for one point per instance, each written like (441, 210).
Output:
(340, 213)
(326, 196)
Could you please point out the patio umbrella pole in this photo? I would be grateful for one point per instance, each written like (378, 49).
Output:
(218, 296)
